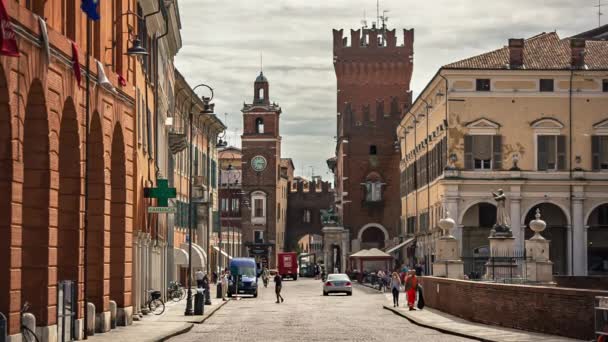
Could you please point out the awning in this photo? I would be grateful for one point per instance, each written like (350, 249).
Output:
(361, 253)
(222, 251)
(376, 253)
(198, 255)
(180, 256)
(401, 245)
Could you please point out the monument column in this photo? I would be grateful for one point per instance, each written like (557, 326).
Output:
(578, 237)
(515, 209)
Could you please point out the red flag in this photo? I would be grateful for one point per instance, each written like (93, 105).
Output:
(8, 41)
(121, 81)
(75, 62)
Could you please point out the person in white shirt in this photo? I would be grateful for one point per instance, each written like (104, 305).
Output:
(224, 280)
(199, 276)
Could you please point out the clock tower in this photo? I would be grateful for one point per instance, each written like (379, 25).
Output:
(261, 146)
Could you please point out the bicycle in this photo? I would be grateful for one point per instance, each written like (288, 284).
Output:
(175, 291)
(27, 333)
(155, 303)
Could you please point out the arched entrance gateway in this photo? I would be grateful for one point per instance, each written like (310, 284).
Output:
(556, 232)
(597, 241)
(477, 222)
(373, 236)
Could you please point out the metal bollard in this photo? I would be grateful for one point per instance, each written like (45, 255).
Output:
(218, 290)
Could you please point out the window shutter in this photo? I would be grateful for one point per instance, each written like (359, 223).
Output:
(561, 152)
(468, 152)
(542, 152)
(497, 152)
(595, 152)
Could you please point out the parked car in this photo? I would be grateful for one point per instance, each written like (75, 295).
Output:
(338, 283)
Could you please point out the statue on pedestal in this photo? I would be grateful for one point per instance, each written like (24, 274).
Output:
(329, 217)
(502, 227)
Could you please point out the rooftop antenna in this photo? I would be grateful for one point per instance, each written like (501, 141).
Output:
(384, 18)
(378, 11)
(364, 21)
(599, 12)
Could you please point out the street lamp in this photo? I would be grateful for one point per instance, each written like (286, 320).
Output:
(207, 109)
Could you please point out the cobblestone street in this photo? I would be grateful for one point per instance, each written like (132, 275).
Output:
(306, 315)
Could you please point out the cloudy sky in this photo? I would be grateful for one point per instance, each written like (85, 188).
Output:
(222, 42)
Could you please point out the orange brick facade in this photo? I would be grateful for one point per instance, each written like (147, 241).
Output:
(42, 166)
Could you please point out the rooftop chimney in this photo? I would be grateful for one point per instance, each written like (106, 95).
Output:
(577, 52)
(516, 52)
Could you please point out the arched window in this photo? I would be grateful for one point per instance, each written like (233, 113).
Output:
(258, 210)
(373, 150)
(261, 94)
(306, 216)
(259, 126)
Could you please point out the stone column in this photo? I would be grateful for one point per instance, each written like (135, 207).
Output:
(578, 237)
(516, 226)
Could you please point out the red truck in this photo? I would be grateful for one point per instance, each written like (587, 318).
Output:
(288, 265)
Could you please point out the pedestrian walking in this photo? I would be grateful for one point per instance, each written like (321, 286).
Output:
(411, 286)
(395, 288)
(224, 280)
(205, 285)
(199, 275)
(278, 284)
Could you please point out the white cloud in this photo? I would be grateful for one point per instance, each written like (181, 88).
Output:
(222, 42)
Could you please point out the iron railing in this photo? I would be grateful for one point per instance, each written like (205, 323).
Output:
(504, 266)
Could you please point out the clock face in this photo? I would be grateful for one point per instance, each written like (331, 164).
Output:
(258, 163)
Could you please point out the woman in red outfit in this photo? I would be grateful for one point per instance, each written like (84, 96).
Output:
(411, 284)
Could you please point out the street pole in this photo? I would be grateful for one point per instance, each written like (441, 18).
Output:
(189, 310)
(207, 109)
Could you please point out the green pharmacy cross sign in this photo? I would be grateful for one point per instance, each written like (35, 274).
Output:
(162, 192)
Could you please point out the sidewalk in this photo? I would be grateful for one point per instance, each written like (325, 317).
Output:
(159, 328)
(443, 322)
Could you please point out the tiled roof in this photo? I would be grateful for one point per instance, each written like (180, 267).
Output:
(544, 51)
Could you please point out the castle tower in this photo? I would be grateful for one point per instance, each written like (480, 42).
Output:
(261, 148)
(373, 79)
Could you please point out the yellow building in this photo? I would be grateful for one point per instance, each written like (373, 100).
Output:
(203, 174)
(530, 118)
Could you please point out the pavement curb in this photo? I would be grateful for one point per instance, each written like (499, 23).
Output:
(210, 313)
(189, 325)
(181, 330)
(368, 286)
(434, 327)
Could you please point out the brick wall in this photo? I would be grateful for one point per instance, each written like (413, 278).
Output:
(550, 310)
(314, 200)
(590, 282)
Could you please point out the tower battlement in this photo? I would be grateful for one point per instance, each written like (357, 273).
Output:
(372, 39)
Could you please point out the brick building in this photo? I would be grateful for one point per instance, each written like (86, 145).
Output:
(373, 84)
(305, 201)
(265, 177)
(42, 168)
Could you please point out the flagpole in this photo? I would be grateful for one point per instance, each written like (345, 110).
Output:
(86, 173)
